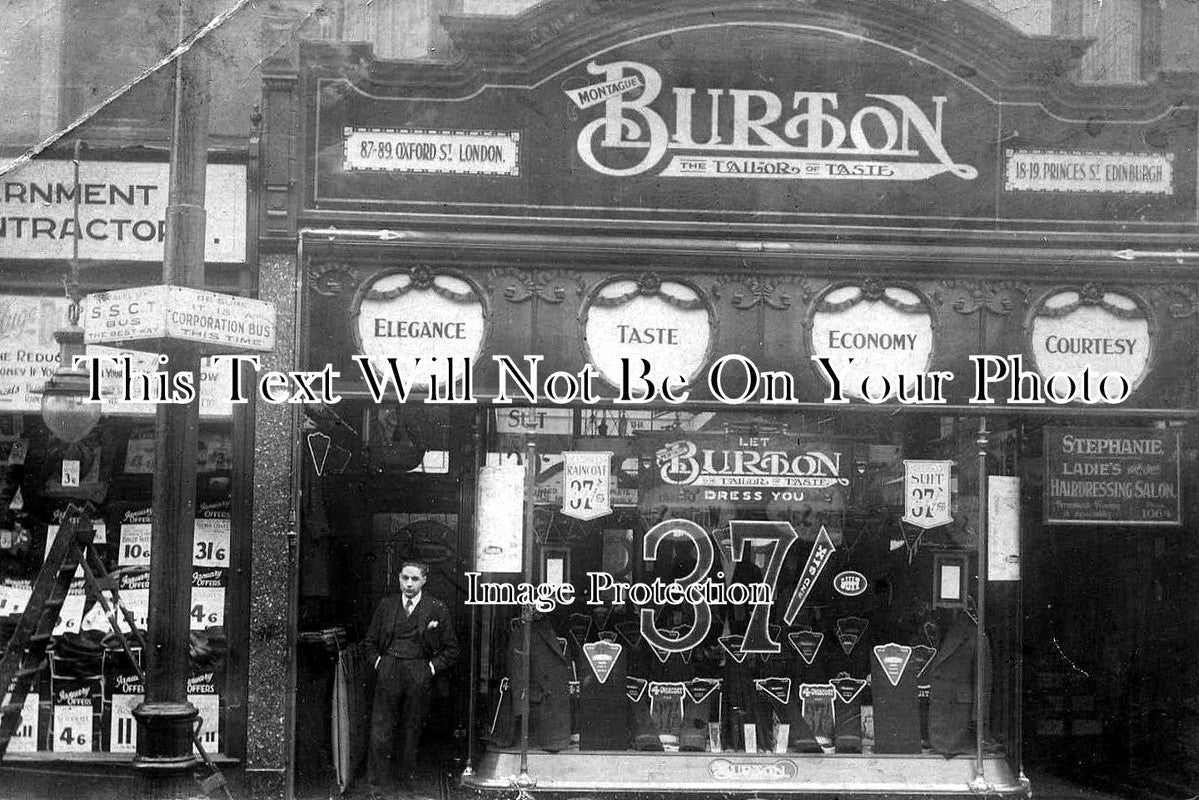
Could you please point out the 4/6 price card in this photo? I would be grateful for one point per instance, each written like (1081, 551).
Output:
(208, 607)
(72, 729)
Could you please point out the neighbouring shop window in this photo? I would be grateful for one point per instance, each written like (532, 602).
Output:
(668, 526)
(83, 699)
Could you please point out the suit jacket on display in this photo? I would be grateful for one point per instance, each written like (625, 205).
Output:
(550, 674)
(950, 676)
(603, 721)
(896, 706)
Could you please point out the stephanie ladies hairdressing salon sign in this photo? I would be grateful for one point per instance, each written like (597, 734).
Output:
(1112, 476)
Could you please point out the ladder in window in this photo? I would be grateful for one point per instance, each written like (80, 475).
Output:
(25, 653)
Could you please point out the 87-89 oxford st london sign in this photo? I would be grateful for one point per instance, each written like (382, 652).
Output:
(890, 137)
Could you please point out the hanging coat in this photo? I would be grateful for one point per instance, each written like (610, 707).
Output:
(950, 676)
(550, 675)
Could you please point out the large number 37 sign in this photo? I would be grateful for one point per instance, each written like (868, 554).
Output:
(777, 536)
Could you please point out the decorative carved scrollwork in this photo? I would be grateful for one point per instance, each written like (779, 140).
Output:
(523, 284)
(765, 290)
(1095, 294)
(873, 289)
(331, 280)
(967, 297)
(648, 284)
(1181, 301)
(1092, 294)
(422, 277)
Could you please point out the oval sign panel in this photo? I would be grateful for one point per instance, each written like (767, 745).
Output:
(1090, 328)
(886, 330)
(666, 326)
(850, 583)
(421, 315)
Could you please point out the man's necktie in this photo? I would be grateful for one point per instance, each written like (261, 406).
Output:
(408, 608)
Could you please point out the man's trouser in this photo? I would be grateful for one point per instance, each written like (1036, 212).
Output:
(403, 690)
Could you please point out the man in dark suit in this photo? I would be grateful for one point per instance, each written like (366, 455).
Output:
(411, 638)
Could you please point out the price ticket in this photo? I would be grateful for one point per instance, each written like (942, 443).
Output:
(208, 607)
(135, 545)
(72, 729)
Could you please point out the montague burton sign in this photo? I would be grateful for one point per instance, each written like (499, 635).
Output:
(888, 137)
(793, 121)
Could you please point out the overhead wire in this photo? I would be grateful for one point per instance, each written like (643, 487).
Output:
(182, 47)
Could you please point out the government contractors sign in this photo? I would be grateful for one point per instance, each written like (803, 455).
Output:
(1112, 476)
(121, 211)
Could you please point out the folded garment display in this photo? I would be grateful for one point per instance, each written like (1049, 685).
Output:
(208, 647)
(77, 655)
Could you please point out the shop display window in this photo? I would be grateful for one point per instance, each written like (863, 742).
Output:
(82, 701)
(737, 584)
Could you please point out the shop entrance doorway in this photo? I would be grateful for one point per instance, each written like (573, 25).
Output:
(382, 485)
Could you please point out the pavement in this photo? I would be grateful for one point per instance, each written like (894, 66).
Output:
(33, 784)
(1048, 786)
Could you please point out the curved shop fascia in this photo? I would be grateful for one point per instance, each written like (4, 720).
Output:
(892, 256)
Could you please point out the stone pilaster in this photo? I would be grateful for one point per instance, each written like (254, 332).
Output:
(271, 689)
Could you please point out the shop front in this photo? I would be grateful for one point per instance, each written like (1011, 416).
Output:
(91, 219)
(734, 371)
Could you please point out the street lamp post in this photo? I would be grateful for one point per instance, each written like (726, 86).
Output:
(165, 756)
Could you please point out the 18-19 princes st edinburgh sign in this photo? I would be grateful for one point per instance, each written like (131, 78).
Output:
(755, 123)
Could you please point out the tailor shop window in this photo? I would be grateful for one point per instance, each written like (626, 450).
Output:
(81, 702)
(715, 582)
